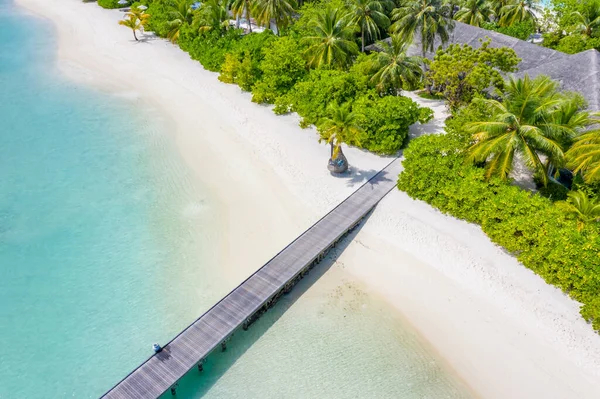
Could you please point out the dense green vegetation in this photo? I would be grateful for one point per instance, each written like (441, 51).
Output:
(572, 26)
(313, 66)
(466, 173)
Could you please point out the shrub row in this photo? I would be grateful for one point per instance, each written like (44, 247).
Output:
(528, 225)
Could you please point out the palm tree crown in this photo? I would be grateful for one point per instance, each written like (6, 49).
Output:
(279, 10)
(341, 127)
(586, 210)
(519, 11)
(181, 13)
(426, 17)
(533, 119)
(588, 20)
(332, 41)
(394, 68)
(474, 12)
(369, 16)
(584, 156)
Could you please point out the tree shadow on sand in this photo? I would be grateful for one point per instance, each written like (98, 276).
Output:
(196, 384)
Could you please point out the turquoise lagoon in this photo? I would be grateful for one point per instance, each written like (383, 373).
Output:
(105, 248)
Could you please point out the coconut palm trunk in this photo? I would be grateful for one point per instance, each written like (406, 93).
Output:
(248, 17)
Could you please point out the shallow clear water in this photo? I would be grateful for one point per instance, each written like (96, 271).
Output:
(105, 248)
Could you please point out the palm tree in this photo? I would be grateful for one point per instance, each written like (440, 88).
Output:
(133, 23)
(181, 13)
(519, 11)
(497, 6)
(395, 69)
(427, 17)
(370, 17)
(586, 210)
(533, 119)
(584, 156)
(238, 7)
(474, 12)
(332, 41)
(588, 20)
(139, 14)
(341, 127)
(279, 10)
(453, 6)
(213, 14)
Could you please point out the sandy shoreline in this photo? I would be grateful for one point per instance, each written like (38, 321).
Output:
(500, 327)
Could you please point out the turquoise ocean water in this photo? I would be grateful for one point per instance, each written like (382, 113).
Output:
(105, 248)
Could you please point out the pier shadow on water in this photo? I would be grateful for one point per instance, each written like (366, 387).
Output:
(196, 384)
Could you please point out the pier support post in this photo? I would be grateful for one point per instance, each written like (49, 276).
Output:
(223, 346)
(245, 325)
(200, 367)
(174, 390)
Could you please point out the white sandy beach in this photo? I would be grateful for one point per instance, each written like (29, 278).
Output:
(500, 327)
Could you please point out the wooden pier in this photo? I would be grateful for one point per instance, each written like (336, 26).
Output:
(254, 296)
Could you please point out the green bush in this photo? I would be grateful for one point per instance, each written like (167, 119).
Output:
(208, 48)
(529, 226)
(521, 30)
(386, 120)
(574, 44)
(311, 97)
(281, 68)
(242, 65)
(109, 4)
(159, 11)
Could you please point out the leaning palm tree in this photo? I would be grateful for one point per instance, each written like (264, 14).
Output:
(369, 16)
(212, 15)
(530, 121)
(278, 10)
(181, 13)
(139, 14)
(579, 205)
(428, 18)
(395, 69)
(588, 21)
(331, 43)
(341, 127)
(239, 7)
(519, 11)
(133, 23)
(584, 156)
(474, 12)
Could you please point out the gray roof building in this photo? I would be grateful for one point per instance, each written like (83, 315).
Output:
(577, 72)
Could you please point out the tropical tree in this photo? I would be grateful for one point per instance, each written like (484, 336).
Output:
(496, 6)
(579, 205)
(212, 15)
(332, 41)
(532, 120)
(584, 156)
(238, 7)
(588, 21)
(369, 16)
(428, 18)
(278, 10)
(453, 6)
(519, 11)
(394, 69)
(474, 12)
(341, 127)
(181, 13)
(132, 22)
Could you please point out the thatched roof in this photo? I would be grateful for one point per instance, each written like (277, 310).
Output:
(578, 72)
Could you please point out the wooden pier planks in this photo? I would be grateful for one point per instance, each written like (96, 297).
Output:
(160, 372)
